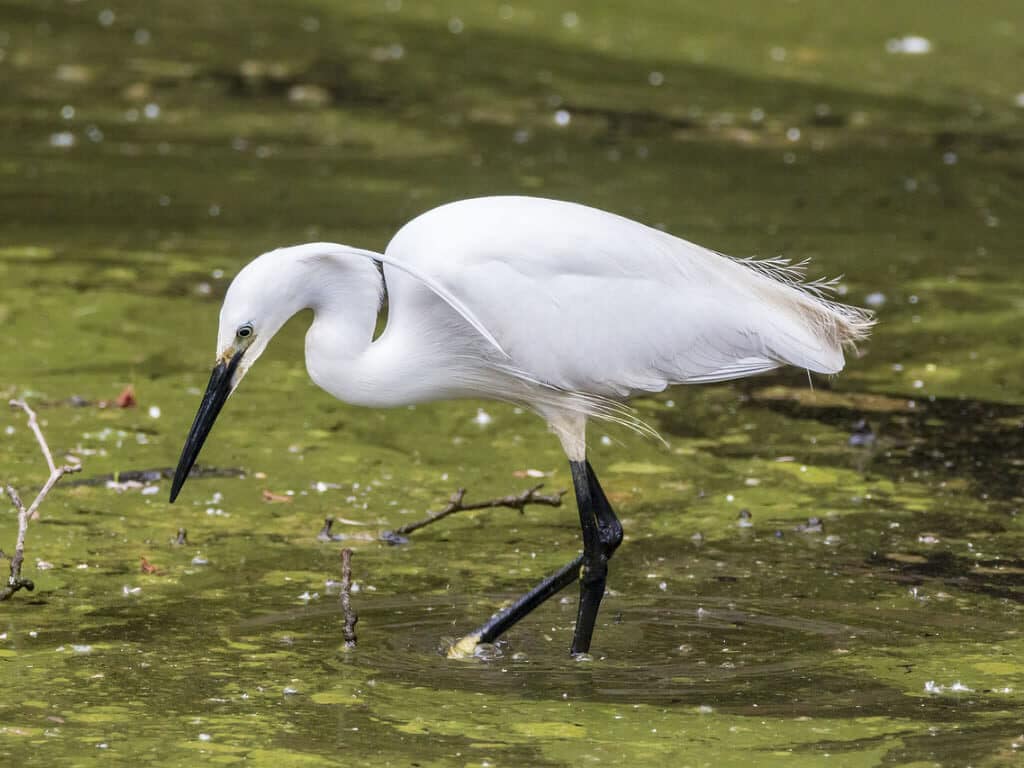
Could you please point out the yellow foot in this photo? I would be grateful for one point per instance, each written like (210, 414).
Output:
(464, 648)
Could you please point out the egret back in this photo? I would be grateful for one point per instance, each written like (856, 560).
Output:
(587, 301)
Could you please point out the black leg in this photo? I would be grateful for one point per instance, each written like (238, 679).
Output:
(602, 533)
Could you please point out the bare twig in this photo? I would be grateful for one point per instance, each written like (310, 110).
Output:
(455, 504)
(349, 631)
(25, 514)
(33, 424)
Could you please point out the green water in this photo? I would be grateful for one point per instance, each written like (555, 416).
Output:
(201, 135)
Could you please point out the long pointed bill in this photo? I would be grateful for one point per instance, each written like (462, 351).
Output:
(217, 392)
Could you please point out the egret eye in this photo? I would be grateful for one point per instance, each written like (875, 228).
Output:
(244, 332)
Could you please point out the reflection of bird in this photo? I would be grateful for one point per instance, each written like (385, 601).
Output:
(562, 308)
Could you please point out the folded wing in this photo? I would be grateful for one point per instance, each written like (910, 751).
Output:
(588, 301)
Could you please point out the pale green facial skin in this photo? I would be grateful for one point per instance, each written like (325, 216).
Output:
(745, 649)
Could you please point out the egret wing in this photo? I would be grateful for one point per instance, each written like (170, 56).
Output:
(588, 301)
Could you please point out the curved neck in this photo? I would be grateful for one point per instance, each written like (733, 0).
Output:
(345, 289)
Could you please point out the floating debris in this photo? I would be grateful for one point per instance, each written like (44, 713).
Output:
(813, 525)
(910, 45)
(394, 539)
(122, 487)
(745, 519)
(276, 498)
(957, 687)
(152, 475)
(181, 539)
(862, 435)
(62, 139)
(309, 95)
(530, 473)
(124, 400)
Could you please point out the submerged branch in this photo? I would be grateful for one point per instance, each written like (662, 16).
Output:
(25, 514)
(349, 630)
(157, 473)
(456, 504)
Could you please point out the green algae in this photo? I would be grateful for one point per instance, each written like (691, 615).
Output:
(773, 643)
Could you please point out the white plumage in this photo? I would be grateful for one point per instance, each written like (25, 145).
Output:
(562, 308)
(592, 302)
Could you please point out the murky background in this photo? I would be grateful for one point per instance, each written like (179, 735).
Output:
(151, 149)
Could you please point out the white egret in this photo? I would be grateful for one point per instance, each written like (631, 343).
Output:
(561, 308)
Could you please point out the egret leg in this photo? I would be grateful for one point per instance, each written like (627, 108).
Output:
(602, 534)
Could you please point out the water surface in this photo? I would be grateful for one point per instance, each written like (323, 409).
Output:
(152, 149)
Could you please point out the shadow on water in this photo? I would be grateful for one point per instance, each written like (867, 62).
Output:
(938, 439)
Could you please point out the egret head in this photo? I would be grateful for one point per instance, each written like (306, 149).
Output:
(261, 299)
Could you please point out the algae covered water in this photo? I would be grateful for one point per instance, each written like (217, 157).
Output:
(866, 609)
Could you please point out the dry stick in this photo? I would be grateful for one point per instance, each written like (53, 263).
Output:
(529, 496)
(15, 582)
(349, 631)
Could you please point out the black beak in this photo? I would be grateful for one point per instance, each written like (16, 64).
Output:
(217, 392)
